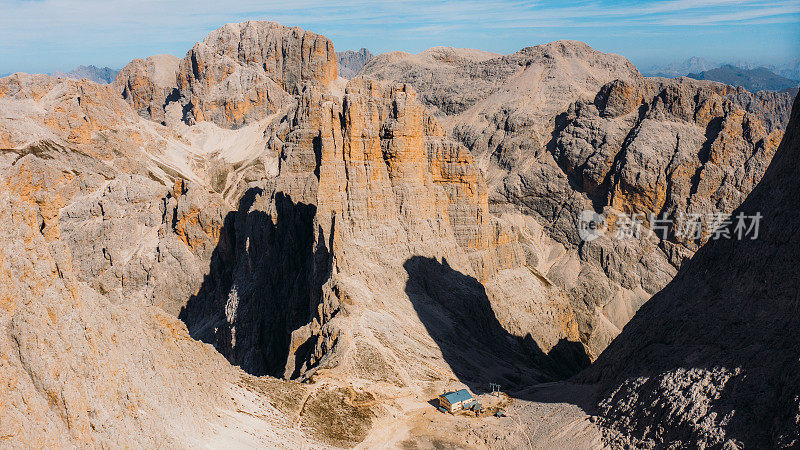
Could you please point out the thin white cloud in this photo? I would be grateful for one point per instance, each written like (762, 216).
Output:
(68, 26)
(739, 16)
(51, 17)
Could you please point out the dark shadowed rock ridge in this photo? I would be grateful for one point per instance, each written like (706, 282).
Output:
(365, 184)
(269, 270)
(712, 359)
(372, 171)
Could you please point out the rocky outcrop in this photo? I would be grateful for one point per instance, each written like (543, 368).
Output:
(721, 140)
(89, 266)
(561, 128)
(368, 189)
(351, 61)
(148, 85)
(83, 158)
(339, 236)
(70, 110)
(59, 333)
(711, 360)
(238, 75)
(243, 72)
(109, 226)
(457, 90)
(342, 237)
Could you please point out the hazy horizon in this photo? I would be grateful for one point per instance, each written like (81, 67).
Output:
(45, 36)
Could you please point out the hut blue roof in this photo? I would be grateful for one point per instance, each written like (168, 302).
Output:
(457, 396)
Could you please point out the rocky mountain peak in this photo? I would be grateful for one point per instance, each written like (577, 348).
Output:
(245, 71)
(238, 74)
(560, 128)
(149, 84)
(245, 212)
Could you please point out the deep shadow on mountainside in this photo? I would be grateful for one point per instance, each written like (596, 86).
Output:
(561, 128)
(335, 234)
(266, 267)
(712, 359)
(456, 312)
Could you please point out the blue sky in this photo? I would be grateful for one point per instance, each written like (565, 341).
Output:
(50, 35)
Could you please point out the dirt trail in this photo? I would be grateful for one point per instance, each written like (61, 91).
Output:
(350, 400)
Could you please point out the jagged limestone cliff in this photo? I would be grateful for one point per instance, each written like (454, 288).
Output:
(342, 236)
(335, 235)
(711, 360)
(561, 128)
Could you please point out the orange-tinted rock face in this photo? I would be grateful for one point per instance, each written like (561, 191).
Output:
(396, 171)
(337, 231)
(369, 159)
(49, 190)
(197, 225)
(321, 262)
(727, 323)
(669, 165)
(244, 72)
(72, 109)
(453, 168)
(381, 192)
(239, 74)
(561, 128)
(147, 84)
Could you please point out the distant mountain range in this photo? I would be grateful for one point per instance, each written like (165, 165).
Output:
(695, 64)
(351, 61)
(790, 70)
(758, 79)
(748, 75)
(102, 75)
